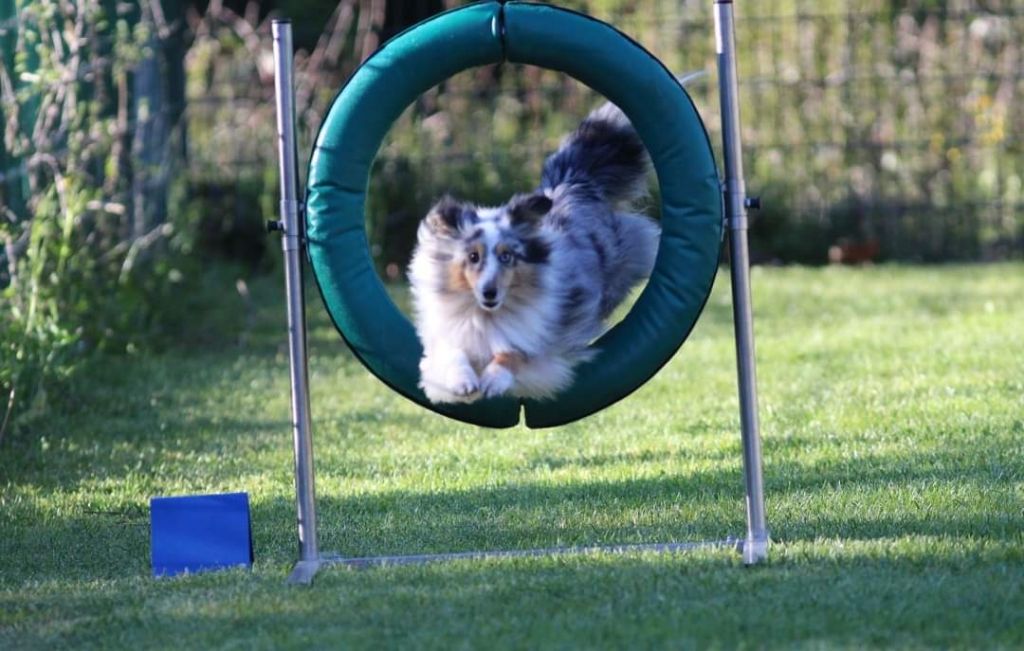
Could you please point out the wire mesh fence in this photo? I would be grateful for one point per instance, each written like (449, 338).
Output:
(874, 130)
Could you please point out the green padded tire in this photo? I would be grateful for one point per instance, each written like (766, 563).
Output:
(546, 36)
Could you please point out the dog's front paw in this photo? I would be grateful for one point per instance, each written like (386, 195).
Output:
(464, 386)
(441, 395)
(496, 380)
(443, 383)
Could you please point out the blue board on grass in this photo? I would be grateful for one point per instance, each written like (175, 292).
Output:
(200, 532)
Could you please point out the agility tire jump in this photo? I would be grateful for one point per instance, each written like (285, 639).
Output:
(550, 37)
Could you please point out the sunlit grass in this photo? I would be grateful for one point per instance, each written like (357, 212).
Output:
(891, 403)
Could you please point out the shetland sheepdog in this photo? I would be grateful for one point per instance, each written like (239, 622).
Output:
(507, 300)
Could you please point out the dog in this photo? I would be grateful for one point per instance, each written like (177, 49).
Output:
(507, 300)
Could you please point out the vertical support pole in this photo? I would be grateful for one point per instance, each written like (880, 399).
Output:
(291, 242)
(755, 547)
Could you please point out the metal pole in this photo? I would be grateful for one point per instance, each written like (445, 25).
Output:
(290, 224)
(755, 548)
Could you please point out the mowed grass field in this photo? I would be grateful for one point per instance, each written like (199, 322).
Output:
(892, 404)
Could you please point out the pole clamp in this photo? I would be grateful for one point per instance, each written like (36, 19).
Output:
(736, 203)
(289, 209)
(289, 224)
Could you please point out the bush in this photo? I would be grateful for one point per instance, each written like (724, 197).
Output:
(89, 254)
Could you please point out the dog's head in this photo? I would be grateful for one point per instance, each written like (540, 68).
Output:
(494, 253)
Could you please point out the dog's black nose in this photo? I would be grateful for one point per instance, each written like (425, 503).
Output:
(490, 293)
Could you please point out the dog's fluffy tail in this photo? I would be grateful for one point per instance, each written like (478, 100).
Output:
(603, 154)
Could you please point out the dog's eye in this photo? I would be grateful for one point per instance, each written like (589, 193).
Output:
(505, 257)
(474, 257)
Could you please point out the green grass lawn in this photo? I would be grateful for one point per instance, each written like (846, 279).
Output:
(892, 403)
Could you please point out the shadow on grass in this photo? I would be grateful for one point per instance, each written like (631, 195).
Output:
(681, 600)
(49, 540)
(43, 543)
(915, 597)
(698, 507)
(128, 437)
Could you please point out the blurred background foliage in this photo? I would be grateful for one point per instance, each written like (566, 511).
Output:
(873, 130)
(138, 163)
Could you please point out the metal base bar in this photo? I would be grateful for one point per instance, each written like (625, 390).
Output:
(304, 571)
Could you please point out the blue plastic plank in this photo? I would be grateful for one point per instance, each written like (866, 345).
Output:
(198, 533)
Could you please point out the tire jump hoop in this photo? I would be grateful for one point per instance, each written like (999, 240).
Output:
(328, 226)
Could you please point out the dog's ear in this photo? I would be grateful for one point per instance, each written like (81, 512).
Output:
(527, 209)
(448, 217)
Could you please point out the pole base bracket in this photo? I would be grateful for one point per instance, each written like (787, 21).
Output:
(755, 550)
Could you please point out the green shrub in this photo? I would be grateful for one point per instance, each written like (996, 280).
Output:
(90, 259)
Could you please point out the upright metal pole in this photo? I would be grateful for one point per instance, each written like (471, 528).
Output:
(755, 547)
(290, 224)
